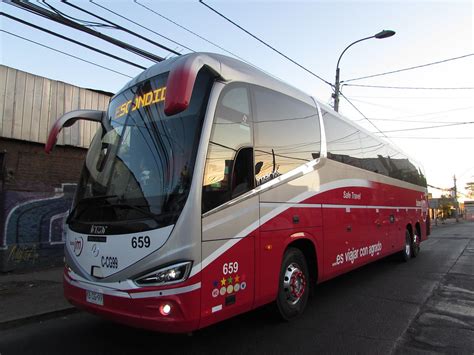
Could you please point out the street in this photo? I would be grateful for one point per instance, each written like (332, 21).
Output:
(425, 305)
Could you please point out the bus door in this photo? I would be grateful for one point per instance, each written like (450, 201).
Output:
(230, 210)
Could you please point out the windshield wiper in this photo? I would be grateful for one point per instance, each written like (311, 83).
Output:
(137, 208)
(85, 199)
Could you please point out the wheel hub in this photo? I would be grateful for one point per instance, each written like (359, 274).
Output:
(294, 283)
(407, 247)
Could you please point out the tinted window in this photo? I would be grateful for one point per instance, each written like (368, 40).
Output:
(287, 134)
(347, 144)
(400, 167)
(343, 141)
(229, 165)
(375, 153)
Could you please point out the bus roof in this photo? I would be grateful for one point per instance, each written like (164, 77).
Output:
(226, 68)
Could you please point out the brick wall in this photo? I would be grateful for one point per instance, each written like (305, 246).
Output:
(35, 194)
(29, 168)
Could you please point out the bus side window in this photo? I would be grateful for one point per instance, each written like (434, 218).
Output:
(229, 163)
(287, 134)
(343, 141)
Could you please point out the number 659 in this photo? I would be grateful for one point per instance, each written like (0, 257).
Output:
(230, 268)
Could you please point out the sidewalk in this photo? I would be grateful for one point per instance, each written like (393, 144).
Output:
(31, 296)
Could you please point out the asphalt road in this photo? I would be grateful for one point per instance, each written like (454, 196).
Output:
(423, 306)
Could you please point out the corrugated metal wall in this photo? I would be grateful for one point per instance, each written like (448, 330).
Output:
(30, 104)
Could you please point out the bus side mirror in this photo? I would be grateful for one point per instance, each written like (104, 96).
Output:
(258, 167)
(67, 120)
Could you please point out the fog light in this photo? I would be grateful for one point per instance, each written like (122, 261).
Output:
(165, 309)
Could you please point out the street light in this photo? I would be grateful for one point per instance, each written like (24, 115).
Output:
(380, 35)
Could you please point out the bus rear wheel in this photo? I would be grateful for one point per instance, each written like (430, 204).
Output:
(294, 283)
(415, 246)
(405, 254)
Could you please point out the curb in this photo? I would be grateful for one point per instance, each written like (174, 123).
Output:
(38, 318)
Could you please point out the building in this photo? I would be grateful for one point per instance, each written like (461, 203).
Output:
(36, 189)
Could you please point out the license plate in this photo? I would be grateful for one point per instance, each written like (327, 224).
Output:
(95, 297)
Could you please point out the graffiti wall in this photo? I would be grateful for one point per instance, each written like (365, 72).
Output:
(32, 234)
(36, 192)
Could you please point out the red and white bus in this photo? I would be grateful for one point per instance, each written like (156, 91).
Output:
(211, 189)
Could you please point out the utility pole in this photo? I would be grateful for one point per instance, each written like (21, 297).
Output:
(455, 198)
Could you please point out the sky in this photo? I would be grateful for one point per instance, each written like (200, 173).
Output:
(312, 33)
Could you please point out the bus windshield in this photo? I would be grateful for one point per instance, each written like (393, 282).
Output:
(140, 162)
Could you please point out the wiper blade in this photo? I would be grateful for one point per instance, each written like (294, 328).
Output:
(137, 208)
(85, 199)
(101, 197)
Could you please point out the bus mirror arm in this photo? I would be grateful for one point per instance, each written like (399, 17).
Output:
(180, 82)
(67, 120)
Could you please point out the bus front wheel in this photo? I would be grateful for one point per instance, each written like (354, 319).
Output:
(293, 289)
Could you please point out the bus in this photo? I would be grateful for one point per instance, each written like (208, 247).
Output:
(212, 188)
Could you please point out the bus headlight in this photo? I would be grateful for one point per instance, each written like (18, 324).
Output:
(170, 274)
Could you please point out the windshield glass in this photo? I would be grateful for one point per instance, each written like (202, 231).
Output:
(140, 162)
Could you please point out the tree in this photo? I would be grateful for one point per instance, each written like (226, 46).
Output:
(446, 204)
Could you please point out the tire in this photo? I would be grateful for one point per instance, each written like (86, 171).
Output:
(294, 285)
(415, 246)
(405, 254)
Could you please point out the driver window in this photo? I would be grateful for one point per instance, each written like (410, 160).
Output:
(229, 163)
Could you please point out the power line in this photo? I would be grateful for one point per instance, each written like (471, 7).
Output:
(190, 31)
(466, 171)
(378, 129)
(412, 121)
(409, 68)
(435, 113)
(121, 28)
(265, 43)
(50, 15)
(411, 97)
(429, 127)
(397, 109)
(205, 39)
(144, 27)
(407, 87)
(439, 188)
(83, 22)
(378, 105)
(70, 55)
(433, 138)
(71, 40)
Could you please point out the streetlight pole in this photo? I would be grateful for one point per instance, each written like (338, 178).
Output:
(380, 35)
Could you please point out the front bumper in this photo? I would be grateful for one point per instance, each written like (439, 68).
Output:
(141, 308)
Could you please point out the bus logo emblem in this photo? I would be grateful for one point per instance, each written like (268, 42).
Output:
(77, 246)
(95, 250)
